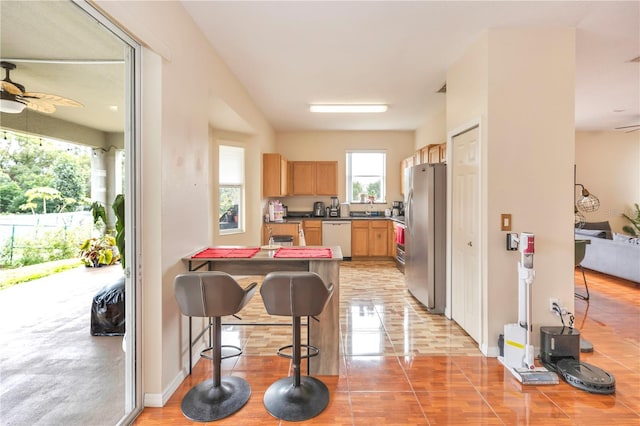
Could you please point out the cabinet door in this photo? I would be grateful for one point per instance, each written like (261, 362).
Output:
(378, 238)
(291, 229)
(434, 154)
(327, 178)
(391, 247)
(424, 155)
(443, 153)
(274, 175)
(312, 232)
(360, 238)
(303, 177)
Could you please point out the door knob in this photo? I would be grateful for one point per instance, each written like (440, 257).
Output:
(470, 244)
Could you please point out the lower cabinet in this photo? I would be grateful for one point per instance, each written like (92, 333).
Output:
(312, 232)
(290, 229)
(359, 238)
(370, 238)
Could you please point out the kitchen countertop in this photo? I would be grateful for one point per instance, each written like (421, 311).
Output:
(399, 219)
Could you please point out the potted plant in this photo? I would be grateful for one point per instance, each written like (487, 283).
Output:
(634, 228)
(99, 251)
(118, 209)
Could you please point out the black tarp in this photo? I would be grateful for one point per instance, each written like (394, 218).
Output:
(108, 310)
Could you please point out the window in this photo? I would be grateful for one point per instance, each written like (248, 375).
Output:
(231, 189)
(366, 176)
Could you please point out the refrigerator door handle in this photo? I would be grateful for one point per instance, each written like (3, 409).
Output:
(408, 208)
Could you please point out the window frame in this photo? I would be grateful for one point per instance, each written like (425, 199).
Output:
(241, 186)
(349, 176)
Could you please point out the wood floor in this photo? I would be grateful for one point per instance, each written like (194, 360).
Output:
(402, 366)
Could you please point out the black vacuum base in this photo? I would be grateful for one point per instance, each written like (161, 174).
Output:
(287, 402)
(586, 376)
(206, 403)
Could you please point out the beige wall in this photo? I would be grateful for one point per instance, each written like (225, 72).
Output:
(433, 131)
(178, 218)
(332, 146)
(526, 111)
(608, 165)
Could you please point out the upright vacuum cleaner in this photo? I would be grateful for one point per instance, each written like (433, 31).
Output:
(518, 347)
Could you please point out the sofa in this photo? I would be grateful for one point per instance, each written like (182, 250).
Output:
(609, 252)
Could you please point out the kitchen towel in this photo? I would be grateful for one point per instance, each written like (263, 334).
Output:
(226, 253)
(303, 253)
(400, 234)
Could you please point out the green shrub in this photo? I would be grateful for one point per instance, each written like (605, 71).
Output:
(47, 246)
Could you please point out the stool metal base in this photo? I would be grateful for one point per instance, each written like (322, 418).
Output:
(288, 402)
(206, 402)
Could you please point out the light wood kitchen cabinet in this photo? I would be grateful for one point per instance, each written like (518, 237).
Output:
(391, 247)
(369, 238)
(303, 178)
(290, 228)
(327, 178)
(312, 232)
(275, 170)
(443, 153)
(378, 237)
(434, 154)
(359, 238)
(313, 178)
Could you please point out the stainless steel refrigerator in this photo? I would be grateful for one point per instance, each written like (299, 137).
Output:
(425, 239)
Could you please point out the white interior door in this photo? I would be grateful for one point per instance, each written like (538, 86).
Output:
(465, 223)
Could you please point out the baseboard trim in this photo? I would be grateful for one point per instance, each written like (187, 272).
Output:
(159, 400)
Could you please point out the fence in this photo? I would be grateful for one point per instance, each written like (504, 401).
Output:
(42, 237)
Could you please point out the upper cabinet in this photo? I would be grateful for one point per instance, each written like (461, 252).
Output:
(275, 171)
(313, 178)
(427, 154)
(326, 178)
(303, 178)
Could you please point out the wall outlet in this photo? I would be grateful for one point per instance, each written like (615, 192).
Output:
(553, 300)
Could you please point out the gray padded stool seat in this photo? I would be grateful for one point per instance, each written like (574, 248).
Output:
(213, 295)
(296, 294)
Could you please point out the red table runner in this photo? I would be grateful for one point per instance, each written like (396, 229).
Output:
(305, 252)
(226, 252)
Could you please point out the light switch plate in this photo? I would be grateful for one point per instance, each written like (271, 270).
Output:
(505, 222)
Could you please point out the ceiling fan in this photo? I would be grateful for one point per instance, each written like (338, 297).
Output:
(13, 98)
(633, 128)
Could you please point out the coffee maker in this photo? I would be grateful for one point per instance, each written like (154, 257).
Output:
(334, 207)
(397, 208)
(318, 209)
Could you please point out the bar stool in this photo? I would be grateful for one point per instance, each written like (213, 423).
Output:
(296, 294)
(213, 295)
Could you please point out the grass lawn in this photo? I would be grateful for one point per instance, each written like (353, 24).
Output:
(9, 277)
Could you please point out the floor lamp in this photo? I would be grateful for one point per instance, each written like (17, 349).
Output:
(585, 202)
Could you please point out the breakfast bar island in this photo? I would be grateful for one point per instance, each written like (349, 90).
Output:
(325, 261)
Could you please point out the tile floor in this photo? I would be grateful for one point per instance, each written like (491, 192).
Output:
(403, 366)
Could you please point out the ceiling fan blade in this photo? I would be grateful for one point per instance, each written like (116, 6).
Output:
(627, 127)
(11, 88)
(38, 105)
(52, 99)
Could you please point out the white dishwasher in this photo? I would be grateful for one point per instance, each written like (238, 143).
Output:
(337, 233)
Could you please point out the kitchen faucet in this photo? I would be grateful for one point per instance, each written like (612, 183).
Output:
(368, 212)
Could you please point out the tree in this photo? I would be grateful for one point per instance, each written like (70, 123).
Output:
(69, 181)
(356, 190)
(9, 190)
(44, 194)
(30, 162)
(374, 189)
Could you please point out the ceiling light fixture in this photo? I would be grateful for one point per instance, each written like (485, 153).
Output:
(9, 104)
(348, 108)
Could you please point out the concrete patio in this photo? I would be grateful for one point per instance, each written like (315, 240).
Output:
(52, 370)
